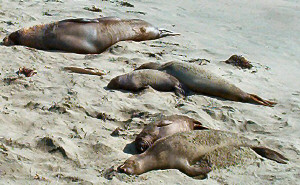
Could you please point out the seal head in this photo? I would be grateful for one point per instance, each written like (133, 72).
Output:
(12, 39)
(130, 167)
(167, 126)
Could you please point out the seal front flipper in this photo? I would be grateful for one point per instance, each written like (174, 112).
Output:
(270, 154)
(180, 90)
(192, 171)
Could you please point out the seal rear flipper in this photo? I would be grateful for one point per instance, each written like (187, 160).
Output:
(198, 126)
(165, 33)
(256, 99)
(270, 154)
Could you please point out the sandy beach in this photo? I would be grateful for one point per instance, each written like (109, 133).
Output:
(55, 127)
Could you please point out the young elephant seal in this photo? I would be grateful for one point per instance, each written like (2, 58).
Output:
(209, 147)
(169, 125)
(139, 80)
(85, 36)
(200, 80)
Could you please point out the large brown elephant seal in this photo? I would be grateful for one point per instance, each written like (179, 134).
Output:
(139, 80)
(85, 36)
(209, 147)
(168, 125)
(200, 80)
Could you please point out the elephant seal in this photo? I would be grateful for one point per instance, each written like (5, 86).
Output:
(169, 125)
(85, 36)
(209, 147)
(200, 80)
(139, 80)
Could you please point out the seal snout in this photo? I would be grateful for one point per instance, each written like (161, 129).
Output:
(125, 169)
(6, 41)
(12, 39)
(129, 167)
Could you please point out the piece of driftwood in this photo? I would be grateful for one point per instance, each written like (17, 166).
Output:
(88, 70)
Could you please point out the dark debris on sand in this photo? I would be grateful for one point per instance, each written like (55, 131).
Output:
(239, 61)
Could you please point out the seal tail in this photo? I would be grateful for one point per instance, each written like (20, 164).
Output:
(165, 33)
(256, 99)
(270, 154)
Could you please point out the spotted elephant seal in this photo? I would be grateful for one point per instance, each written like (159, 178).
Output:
(85, 36)
(182, 150)
(168, 125)
(139, 80)
(200, 80)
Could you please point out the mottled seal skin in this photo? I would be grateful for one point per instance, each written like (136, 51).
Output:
(166, 126)
(139, 80)
(85, 36)
(182, 150)
(200, 80)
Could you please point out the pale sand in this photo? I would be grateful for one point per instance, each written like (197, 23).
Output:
(265, 32)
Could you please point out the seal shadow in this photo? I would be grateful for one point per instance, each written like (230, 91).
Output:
(124, 91)
(130, 149)
(190, 93)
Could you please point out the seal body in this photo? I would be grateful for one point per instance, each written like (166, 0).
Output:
(169, 125)
(182, 150)
(85, 36)
(200, 80)
(139, 80)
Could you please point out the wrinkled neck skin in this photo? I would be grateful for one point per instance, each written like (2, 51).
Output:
(145, 163)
